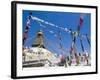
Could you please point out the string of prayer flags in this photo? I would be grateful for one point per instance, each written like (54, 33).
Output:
(26, 30)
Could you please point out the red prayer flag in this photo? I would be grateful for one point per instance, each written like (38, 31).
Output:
(81, 22)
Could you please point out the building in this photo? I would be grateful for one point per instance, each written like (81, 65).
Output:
(38, 55)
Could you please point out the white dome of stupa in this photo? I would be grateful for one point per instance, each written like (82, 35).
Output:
(40, 54)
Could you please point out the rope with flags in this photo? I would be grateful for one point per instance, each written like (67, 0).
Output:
(88, 40)
(53, 46)
(77, 33)
(29, 39)
(81, 20)
(40, 21)
(25, 35)
(60, 39)
(82, 45)
(56, 34)
(50, 24)
(74, 37)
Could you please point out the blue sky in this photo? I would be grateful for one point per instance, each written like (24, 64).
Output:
(63, 19)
